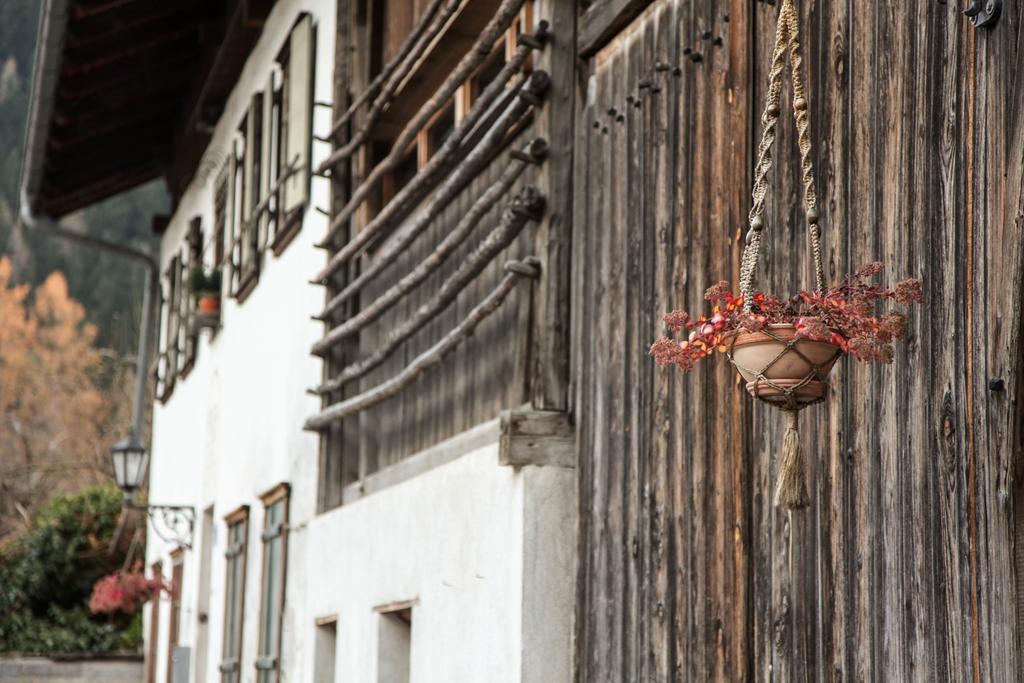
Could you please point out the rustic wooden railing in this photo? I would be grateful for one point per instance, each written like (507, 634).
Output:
(497, 113)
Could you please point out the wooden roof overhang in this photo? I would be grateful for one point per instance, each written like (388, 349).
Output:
(128, 91)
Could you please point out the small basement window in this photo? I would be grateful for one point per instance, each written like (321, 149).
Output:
(325, 649)
(394, 642)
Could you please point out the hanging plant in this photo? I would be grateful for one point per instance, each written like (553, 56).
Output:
(785, 348)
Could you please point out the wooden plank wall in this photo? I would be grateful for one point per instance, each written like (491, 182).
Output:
(902, 568)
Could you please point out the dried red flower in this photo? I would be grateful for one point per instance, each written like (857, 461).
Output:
(124, 592)
(844, 316)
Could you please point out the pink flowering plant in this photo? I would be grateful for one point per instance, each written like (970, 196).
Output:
(124, 592)
(845, 316)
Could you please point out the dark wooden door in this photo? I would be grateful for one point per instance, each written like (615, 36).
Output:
(903, 567)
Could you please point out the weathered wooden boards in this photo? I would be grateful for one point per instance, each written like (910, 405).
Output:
(518, 354)
(537, 437)
(903, 568)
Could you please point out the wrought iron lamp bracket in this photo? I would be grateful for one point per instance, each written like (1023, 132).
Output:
(172, 523)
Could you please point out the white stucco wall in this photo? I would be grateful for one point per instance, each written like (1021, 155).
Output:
(232, 428)
(455, 537)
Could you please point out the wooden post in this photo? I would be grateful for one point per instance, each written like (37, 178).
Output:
(536, 437)
(549, 353)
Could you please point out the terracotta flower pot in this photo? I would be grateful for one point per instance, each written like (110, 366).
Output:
(756, 353)
(209, 304)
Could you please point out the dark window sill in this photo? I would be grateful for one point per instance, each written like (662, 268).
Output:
(247, 283)
(291, 225)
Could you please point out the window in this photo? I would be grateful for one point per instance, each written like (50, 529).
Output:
(394, 642)
(248, 189)
(274, 138)
(177, 574)
(220, 216)
(297, 122)
(274, 537)
(272, 100)
(154, 628)
(202, 639)
(188, 302)
(170, 356)
(234, 594)
(325, 649)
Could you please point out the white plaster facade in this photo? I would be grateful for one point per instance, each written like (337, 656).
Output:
(486, 550)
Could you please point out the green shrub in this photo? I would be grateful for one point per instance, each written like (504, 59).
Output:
(47, 575)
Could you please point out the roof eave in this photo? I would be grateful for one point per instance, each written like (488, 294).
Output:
(52, 23)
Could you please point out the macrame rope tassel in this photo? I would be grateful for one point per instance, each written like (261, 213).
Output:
(791, 490)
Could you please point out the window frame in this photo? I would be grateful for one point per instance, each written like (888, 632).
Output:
(231, 670)
(278, 495)
(174, 620)
(221, 198)
(171, 305)
(194, 242)
(248, 187)
(289, 220)
(156, 569)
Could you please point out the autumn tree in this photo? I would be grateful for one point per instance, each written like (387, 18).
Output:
(60, 399)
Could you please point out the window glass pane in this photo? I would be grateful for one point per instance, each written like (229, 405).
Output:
(271, 592)
(234, 596)
(300, 112)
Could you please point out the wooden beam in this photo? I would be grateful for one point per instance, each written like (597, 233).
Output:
(537, 437)
(429, 358)
(123, 25)
(83, 150)
(60, 204)
(396, 606)
(146, 84)
(603, 20)
(111, 76)
(469, 160)
(526, 206)
(97, 174)
(547, 359)
(91, 124)
(536, 149)
(82, 10)
(97, 57)
(404, 51)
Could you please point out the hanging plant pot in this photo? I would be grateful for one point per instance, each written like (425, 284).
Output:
(785, 348)
(782, 368)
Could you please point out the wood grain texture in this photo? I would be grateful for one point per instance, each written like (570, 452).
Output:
(536, 437)
(904, 566)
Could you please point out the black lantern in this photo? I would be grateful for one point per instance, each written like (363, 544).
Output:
(173, 523)
(130, 459)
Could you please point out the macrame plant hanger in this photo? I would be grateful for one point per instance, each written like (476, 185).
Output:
(791, 488)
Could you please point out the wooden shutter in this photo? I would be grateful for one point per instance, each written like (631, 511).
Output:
(231, 227)
(298, 136)
(266, 158)
(250, 183)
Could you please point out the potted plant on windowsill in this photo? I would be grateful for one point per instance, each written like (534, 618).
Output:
(206, 288)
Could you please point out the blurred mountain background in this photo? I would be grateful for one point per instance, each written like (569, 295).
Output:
(69, 322)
